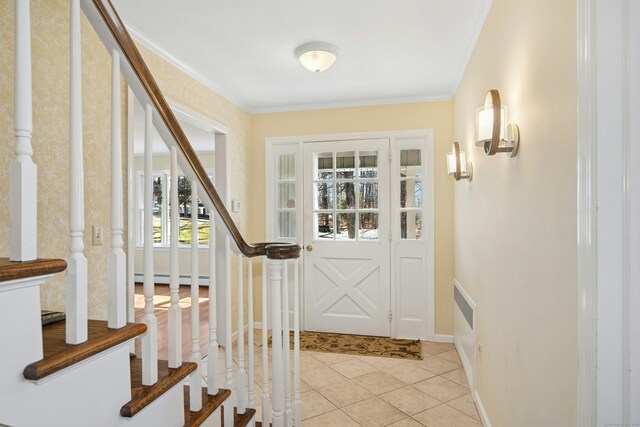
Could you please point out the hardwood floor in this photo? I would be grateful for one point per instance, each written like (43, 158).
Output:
(161, 302)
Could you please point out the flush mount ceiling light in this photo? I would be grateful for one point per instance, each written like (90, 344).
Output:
(316, 56)
(491, 131)
(457, 164)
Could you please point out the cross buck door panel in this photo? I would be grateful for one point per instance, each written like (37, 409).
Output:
(346, 227)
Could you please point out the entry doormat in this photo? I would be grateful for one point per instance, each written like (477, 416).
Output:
(361, 345)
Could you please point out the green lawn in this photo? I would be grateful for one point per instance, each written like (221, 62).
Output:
(184, 235)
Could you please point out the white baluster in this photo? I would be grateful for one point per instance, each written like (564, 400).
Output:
(286, 344)
(175, 312)
(266, 412)
(240, 384)
(23, 188)
(132, 226)
(250, 362)
(76, 292)
(196, 377)
(275, 266)
(150, 339)
(296, 343)
(228, 362)
(212, 352)
(117, 310)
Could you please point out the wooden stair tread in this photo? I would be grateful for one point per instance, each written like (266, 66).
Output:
(259, 424)
(141, 395)
(209, 405)
(239, 420)
(59, 355)
(12, 270)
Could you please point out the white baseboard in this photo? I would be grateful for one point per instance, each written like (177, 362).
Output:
(466, 363)
(441, 338)
(257, 325)
(484, 418)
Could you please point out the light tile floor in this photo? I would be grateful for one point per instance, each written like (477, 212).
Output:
(346, 390)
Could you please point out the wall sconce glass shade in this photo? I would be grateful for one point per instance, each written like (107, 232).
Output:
(457, 164)
(317, 56)
(491, 129)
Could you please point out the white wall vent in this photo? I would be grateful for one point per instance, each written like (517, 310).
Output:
(463, 305)
(464, 330)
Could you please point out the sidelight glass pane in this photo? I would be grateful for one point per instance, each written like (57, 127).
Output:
(324, 195)
(324, 228)
(324, 166)
(286, 167)
(368, 226)
(368, 195)
(286, 196)
(346, 195)
(411, 163)
(346, 226)
(368, 166)
(410, 193)
(346, 165)
(287, 225)
(411, 225)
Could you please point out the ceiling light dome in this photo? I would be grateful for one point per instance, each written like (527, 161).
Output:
(317, 56)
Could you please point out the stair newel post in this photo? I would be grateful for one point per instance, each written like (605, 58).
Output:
(241, 372)
(175, 312)
(212, 353)
(117, 310)
(76, 292)
(228, 361)
(250, 347)
(286, 343)
(195, 382)
(276, 266)
(23, 188)
(296, 343)
(266, 412)
(150, 339)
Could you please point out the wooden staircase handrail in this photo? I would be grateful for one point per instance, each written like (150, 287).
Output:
(133, 56)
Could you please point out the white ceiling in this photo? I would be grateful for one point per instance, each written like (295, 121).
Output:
(390, 50)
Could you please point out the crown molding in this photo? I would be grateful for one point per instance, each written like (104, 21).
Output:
(471, 47)
(350, 104)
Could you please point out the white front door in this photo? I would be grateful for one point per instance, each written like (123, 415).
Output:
(346, 235)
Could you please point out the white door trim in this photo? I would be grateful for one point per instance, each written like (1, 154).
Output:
(297, 141)
(587, 211)
(608, 220)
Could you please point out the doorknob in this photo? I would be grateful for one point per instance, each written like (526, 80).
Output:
(309, 248)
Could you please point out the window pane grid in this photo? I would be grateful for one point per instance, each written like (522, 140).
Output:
(346, 194)
(285, 196)
(162, 209)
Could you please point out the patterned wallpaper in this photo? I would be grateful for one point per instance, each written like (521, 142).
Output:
(50, 39)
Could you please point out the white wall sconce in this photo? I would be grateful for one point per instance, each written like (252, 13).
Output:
(316, 57)
(457, 164)
(491, 129)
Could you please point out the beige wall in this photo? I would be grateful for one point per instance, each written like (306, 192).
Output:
(436, 115)
(50, 47)
(515, 223)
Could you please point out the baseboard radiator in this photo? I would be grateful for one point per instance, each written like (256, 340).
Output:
(464, 327)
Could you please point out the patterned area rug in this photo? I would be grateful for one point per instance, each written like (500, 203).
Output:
(362, 345)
